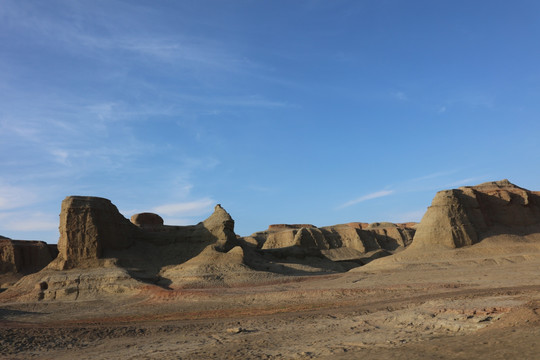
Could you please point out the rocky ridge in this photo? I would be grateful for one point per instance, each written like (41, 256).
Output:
(101, 253)
(344, 242)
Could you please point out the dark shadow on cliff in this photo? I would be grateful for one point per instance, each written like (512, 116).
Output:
(155, 249)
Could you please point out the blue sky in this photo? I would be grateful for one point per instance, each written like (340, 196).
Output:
(319, 112)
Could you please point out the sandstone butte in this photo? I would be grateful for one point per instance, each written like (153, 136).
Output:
(465, 216)
(101, 253)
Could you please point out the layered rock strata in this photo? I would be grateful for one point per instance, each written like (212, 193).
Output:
(465, 216)
(374, 236)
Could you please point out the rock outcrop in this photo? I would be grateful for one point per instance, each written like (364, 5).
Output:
(88, 227)
(353, 240)
(92, 228)
(101, 252)
(22, 256)
(147, 220)
(465, 216)
(220, 226)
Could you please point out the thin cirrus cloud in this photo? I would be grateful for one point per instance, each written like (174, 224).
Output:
(66, 31)
(435, 175)
(186, 209)
(24, 221)
(12, 197)
(239, 101)
(466, 182)
(373, 195)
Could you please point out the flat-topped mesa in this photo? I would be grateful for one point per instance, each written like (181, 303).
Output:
(88, 226)
(464, 216)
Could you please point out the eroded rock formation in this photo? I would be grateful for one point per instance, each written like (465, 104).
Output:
(22, 256)
(363, 238)
(89, 226)
(101, 252)
(465, 216)
(147, 220)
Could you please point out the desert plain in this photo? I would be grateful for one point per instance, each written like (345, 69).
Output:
(464, 283)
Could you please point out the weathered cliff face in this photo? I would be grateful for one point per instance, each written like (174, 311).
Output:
(88, 226)
(21, 256)
(465, 216)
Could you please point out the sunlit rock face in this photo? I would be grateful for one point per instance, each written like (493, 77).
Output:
(358, 236)
(88, 226)
(465, 216)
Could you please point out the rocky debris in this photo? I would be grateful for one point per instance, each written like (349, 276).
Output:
(88, 226)
(235, 330)
(22, 256)
(465, 216)
(147, 220)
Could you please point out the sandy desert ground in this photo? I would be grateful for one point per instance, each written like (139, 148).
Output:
(458, 305)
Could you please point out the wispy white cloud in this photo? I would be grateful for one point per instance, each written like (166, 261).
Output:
(13, 197)
(29, 221)
(186, 209)
(435, 175)
(61, 156)
(373, 195)
(399, 95)
(242, 101)
(68, 29)
(465, 182)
